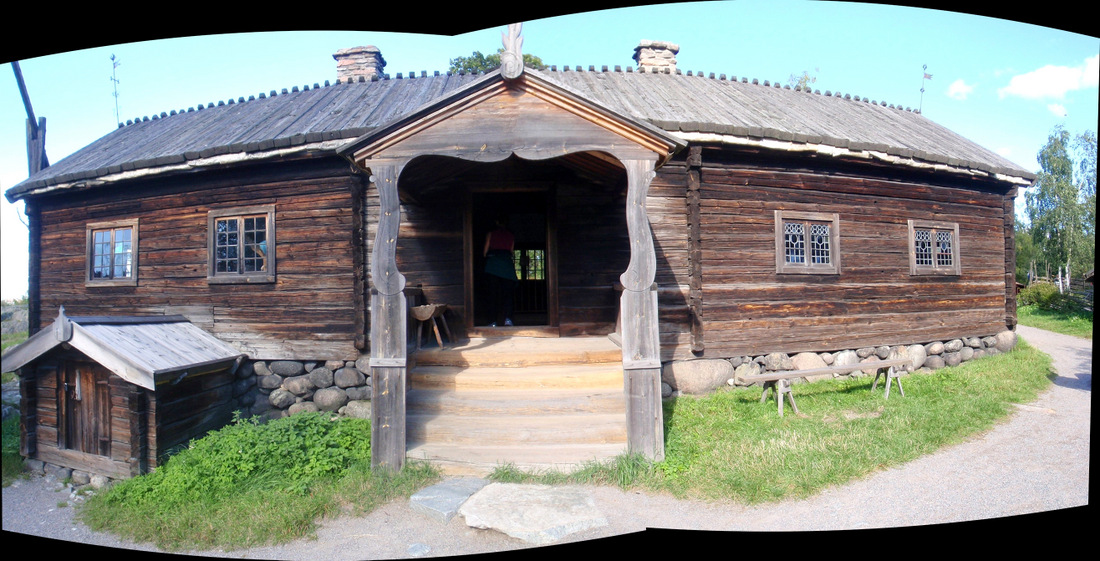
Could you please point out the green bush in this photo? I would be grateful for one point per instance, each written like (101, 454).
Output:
(1044, 295)
(289, 454)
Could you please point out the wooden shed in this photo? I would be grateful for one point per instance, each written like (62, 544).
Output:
(115, 395)
(682, 216)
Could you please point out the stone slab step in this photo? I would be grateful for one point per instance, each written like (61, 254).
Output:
(531, 377)
(515, 402)
(475, 430)
(480, 461)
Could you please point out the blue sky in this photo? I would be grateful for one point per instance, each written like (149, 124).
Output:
(1001, 83)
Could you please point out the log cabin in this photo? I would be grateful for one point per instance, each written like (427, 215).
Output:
(681, 217)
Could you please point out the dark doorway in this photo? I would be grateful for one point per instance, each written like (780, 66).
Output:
(527, 214)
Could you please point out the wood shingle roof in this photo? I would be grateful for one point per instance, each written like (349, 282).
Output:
(326, 117)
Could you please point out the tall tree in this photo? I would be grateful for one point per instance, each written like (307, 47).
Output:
(1061, 205)
(478, 62)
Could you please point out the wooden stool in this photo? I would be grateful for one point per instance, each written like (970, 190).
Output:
(430, 312)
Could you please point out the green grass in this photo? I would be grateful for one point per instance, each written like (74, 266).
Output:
(730, 446)
(7, 341)
(253, 484)
(1076, 323)
(12, 460)
(12, 339)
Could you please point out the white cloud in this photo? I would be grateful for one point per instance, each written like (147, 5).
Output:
(959, 89)
(1057, 109)
(1054, 81)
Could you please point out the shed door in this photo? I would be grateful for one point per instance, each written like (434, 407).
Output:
(85, 404)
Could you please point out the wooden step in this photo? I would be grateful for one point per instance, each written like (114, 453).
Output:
(531, 402)
(516, 352)
(568, 401)
(528, 378)
(462, 460)
(480, 430)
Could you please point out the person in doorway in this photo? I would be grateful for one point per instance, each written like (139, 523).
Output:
(500, 272)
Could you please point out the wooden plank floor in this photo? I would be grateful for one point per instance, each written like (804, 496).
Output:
(531, 402)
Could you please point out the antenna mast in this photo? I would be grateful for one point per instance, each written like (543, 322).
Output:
(114, 82)
(927, 76)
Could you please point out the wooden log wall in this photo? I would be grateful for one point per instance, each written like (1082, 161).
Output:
(430, 253)
(198, 404)
(669, 216)
(750, 309)
(312, 310)
(593, 251)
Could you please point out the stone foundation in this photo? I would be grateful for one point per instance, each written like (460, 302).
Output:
(696, 377)
(274, 389)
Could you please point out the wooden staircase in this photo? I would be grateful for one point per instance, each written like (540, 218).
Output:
(535, 403)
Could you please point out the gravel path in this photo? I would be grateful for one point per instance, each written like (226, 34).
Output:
(1036, 461)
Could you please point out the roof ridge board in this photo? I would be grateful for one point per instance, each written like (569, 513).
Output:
(274, 119)
(385, 101)
(731, 93)
(650, 111)
(586, 84)
(678, 105)
(182, 133)
(297, 110)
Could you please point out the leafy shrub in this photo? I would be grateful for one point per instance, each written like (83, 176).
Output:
(1044, 295)
(288, 454)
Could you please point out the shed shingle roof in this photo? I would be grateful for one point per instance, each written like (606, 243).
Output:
(680, 103)
(141, 350)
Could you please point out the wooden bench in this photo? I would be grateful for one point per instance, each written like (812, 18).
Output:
(780, 382)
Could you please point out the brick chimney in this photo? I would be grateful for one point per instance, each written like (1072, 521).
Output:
(356, 62)
(656, 56)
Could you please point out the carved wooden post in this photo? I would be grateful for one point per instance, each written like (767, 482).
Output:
(640, 337)
(387, 329)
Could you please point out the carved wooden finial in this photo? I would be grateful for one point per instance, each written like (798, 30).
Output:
(62, 326)
(511, 60)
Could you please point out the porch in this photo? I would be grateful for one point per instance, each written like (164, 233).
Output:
(517, 117)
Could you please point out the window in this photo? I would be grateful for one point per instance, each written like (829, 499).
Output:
(933, 248)
(530, 264)
(242, 245)
(807, 243)
(112, 251)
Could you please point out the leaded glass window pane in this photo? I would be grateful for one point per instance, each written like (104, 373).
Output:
(794, 242)
(944, 250)
(922, 247)
(820, 250)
